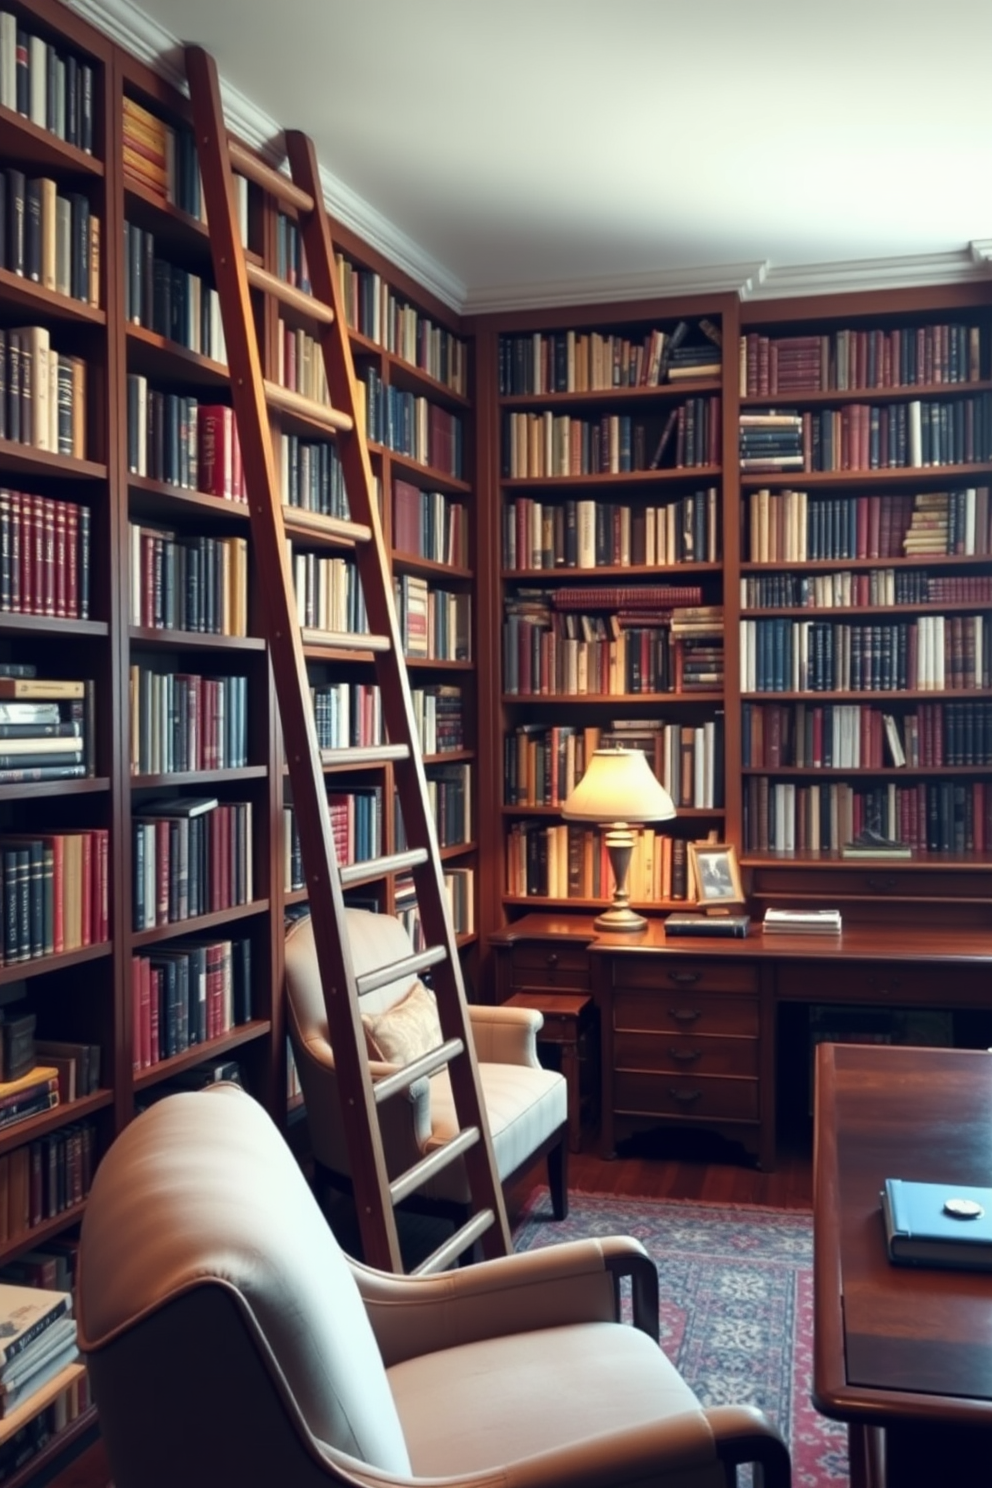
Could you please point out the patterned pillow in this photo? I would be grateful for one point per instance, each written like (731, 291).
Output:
(405, 1031)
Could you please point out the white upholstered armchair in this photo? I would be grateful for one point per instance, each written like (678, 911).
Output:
(231, 1341)
(526, 1105)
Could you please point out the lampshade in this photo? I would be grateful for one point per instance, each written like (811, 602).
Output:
(618, 786)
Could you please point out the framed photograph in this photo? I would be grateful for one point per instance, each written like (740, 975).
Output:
(716, 874)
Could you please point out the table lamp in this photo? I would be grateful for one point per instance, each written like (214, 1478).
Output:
(619, 792)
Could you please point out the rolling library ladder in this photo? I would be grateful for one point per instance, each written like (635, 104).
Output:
(376, 1195)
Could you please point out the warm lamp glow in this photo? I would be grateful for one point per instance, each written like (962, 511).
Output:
(619, 790)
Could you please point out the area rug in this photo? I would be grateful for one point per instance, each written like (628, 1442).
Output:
(736, 1306)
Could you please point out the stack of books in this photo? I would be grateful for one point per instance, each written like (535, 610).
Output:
(802, 922)
(37, 1340)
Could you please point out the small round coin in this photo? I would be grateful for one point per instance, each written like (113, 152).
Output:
(963, 1208)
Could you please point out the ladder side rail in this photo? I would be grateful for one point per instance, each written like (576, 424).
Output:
(286, 651)
(397, 703)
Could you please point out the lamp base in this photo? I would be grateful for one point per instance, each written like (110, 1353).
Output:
(621, 918)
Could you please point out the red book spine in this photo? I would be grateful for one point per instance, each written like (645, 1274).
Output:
(72, 560)
(15, 552)
(101, 885)
(145, 1012)
(86, 889)
(27, 555)
(38, 555)
(48, 510)
(61, 558)
(154, 1006)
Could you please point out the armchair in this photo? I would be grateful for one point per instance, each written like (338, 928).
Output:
(526, 1105)
(230, 1340)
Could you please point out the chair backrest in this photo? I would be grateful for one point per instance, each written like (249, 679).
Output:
(215, 1303)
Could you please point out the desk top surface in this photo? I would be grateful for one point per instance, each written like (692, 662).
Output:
(896, 1342)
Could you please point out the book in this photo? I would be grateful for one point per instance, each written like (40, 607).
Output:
(871, 844)
(802, 921)
(937, 1224)
(26, 1312)
(734, 927)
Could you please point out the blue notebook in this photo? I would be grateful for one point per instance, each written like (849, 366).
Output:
(921, 1230)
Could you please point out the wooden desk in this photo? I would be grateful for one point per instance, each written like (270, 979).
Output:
(706, 1057)
(903, 1354)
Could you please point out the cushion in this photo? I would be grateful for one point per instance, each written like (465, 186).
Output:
(405, 1031)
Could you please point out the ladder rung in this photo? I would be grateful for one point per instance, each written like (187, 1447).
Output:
(419, 1069)
(343, 640)
(269, 179)
(356, 873)
(297, 299)
(320, 414)
(407, 966)
(435, 1162)
(460, 1241)
(366, 754)
(318, 524)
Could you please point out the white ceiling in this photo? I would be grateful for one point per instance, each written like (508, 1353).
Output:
(545, 149)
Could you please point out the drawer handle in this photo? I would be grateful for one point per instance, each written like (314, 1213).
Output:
(685, 1015)
(684, 1097)
(684, 978)
(552, 959)
(685, 1056)
(882, 883)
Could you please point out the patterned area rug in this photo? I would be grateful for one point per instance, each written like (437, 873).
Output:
(736, 1306)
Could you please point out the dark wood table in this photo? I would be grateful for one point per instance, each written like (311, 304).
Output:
(902, 1354)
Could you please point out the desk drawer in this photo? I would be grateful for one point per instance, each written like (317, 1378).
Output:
(685, 1055)
(687, 1097)
(538, 966)
(880, 982)
(684, 1010)
(663, 974)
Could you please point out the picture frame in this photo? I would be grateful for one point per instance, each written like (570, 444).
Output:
(716, 876)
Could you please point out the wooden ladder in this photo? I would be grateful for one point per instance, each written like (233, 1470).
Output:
(376, 1196)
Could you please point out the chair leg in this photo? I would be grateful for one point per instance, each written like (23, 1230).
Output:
(558, 1176)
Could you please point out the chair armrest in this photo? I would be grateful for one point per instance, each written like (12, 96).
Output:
(506, 1035)
(556, 1285)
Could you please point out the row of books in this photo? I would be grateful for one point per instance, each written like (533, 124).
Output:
(878, 588)
(54, 893)
(162, 159)
(794, 527)
(311, 476)
(187, 582)
(44, 1178)
(929, 816)
(576, 361)
(411, 425)
(459, 887)
(291, 257)
(589, 534)
(870, 436)
(566, 862)
(300, 364)
(374, 310)
(172, 437)
(186, 994)
(170, 300)
(851, 359)
(51, 87)
(928, 654)
(44, 556)
(449, 798)
(537, 446)
(183, 721)
(843, 735)
(42, 393)
(439, 718)
(347, 714)
(191, 856)
(356, 823)
(429, 524)
(435, 624)
(46, 728)
(49, 238)
(329, 594)
(542, 764)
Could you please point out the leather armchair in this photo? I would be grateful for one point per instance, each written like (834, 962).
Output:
(526, 1105)
(231, 1341)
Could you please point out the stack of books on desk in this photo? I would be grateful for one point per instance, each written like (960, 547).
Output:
(802, 922)
(37, 1340)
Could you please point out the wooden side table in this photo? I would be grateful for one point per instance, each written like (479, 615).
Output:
(566, 1016)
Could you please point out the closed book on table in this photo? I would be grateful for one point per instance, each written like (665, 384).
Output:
(938, 1224)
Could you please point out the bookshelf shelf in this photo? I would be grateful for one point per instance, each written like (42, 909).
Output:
(35, 299)
(199, 777)
(38, 1126)
(902, 476)
(42, 965)
(602, 480)
(896, 393)
(42, 150)
(32, 790)
(199, 924)
(24, 460)
(192, 640)
(244, 1033)
(666, 393)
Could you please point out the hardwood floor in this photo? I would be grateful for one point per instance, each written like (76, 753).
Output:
(689, 1169)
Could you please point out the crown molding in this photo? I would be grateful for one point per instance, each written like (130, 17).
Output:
(152, 44)
(903, 272)
(656, 284)
(981, 251)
